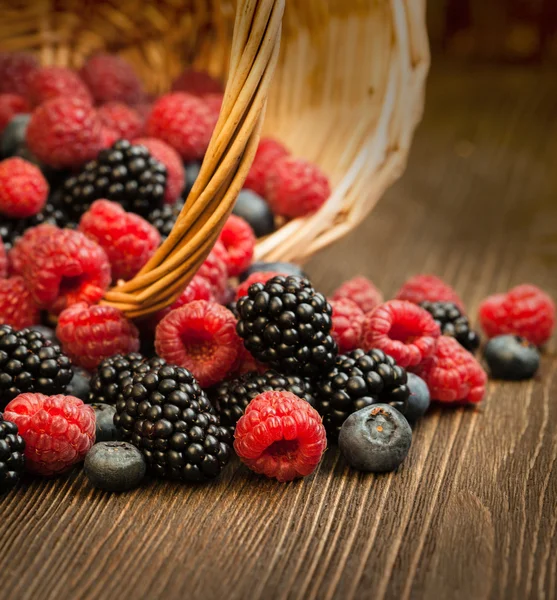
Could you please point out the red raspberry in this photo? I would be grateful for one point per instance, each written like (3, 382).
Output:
(296, 187)
(108, 137)
(183, 122)
(89, 334)
(53, 82)
(128, 240)
(200, 336)
(246, 363)
(362, 292)
(280, 436)
(66, 268)
(11, 105)
(198, 83)
(23, 188)
(122, 119)
(258, 277)
(428, 287)
(143, 109)
(112, 79)
(3, 261)
(58, 431)
(268, 152)
(15, 70)
(64, 133)
(23, 248)
(453, 374)
(175, 174)
(348, 319)
(17, 307)
(402, 329)
(526, 310)
(239, 240)
(214, 270)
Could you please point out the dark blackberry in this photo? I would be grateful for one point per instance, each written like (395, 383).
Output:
(164, 218)
(286, 324)
(357, 380)
(231, 398)
(12, 460)
(125, 173)
(165, 414)
(114, 373)
(29, 363)
(453, 323)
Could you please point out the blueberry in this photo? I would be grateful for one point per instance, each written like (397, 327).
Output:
(419, 399)
(284, 268)
(79, 386)
(13, 137)
(375, 439)
(253, 209)
(47, 332)
(191, 171)
(105, 430)
(511, 357)
(115, 466)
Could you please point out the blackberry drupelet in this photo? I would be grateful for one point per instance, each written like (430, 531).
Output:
(12, 459)
(114, 373)
(29, 363)
(163, 219)
(165, 414)
(286, 324)
(125, 173)
(231, 398)
(453, 323)
(357, 380)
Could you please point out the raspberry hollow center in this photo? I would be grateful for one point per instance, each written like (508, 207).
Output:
(70, 284)
(287, 449)
(198, 347)
(404, 332)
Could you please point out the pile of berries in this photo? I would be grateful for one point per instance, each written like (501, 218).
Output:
(250, 358)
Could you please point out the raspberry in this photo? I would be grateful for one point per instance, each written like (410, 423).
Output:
(246, 363)
(23, 248)
(239, 240)
(23, 188)
(175, 174)
(401, 329)
(17, 307)
(128, 240)
(428, 287)
(124, 121)
(348, 319)
(64, 133)
(11, 105)
(268, 152)
(183, 122)
(66, 268)
(362, 292)
(453, 374)
(58, 431)
(112, 79)
(15, 70)
(53, 82)
(525, 310)
(197, 83)
(280, 436)
(89, 334)
(201, 337)
(108, 137)
(259, 277)
(3, 261)
(215, 272)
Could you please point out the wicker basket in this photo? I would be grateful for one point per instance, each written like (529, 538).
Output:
(347, 94)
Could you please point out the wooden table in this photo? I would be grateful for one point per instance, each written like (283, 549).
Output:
(472, 512)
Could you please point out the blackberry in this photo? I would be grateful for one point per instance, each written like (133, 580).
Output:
(164, 218)
(357, 380)
(165, 414)
(124, 173)
(231, 398)
(285, 323)
(12, 460)
(29, 363)
(114, 373)
(453, 323)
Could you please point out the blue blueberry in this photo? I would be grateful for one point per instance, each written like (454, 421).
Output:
(419, 399)
(191, 172)
(13, 137)
(375, 439)
(280, 267)
(115, 466)
(105, 430)
(511, 357)
(253, 209)
(79, 386)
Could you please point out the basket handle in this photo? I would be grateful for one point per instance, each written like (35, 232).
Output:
(254, 55)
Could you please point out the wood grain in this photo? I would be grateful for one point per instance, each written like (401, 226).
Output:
(472, 513)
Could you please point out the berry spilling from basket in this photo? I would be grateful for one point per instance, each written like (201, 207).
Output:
(250, 357)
